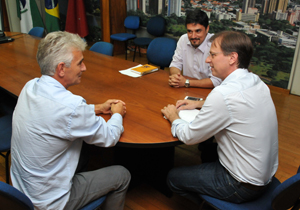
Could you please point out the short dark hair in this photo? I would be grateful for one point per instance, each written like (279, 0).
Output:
(197, 16)
(233, 41)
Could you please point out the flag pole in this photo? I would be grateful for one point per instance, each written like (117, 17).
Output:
(42, 12)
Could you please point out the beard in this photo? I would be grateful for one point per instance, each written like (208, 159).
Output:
(197, 44)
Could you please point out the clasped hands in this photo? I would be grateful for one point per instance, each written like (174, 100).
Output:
(177, 80)
(111, 106)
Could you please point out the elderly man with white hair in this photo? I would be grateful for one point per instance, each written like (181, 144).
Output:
(50, 125)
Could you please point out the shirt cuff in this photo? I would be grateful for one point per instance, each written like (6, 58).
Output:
(176, 65)
(175, 124)
(118, 117)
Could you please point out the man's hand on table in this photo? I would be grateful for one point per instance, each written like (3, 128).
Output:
(177, 80)
(170, 112)
(111, 106)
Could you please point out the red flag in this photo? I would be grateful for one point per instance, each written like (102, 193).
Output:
(76, 18)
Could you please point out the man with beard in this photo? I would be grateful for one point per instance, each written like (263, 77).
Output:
(190, 54)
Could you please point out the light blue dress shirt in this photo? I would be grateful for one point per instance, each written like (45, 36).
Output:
(240, 113)
(49, 125)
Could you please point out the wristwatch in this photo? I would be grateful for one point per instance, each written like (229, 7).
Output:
(187, 83)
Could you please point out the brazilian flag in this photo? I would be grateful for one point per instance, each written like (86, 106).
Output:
(52, 15)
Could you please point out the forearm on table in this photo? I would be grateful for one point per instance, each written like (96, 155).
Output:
(203, 83)
(173, 117)
(174, 70)
(97, 109)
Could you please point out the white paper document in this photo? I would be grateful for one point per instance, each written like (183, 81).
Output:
(188, 115)
(128, 72)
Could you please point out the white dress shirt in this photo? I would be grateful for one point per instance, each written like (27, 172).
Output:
(49, 125)
(241, 115)
(192, 60)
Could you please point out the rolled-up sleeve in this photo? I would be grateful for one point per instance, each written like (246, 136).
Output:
(177, 60)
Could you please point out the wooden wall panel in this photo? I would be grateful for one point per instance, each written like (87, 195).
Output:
(113, 16)
(105, 25)
(4, 16)
(118, 14)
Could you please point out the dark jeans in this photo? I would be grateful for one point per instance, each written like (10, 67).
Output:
(209, 179)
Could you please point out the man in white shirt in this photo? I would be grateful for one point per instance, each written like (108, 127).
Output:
(241, 115)
(50, 125)
(190, 54)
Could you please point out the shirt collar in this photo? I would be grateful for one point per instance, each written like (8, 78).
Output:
(51, 80)
(202, 46)
(235, 74)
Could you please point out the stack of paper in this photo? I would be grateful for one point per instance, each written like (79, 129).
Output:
(139, 70)
(188, 115)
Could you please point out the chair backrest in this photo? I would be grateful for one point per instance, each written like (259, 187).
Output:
(103, 47)
(37, 31)
(156, 26)
(132, 22)
(287, 194)
(11, 198)
(160, 51)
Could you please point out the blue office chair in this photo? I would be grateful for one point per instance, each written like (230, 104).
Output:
(103, 47)
(37, 31)
(5, 139)
(278, 196)
(156, 26)
(11, 198)
(95, 204)
(131, 22)
(287, 194)
(160, 51)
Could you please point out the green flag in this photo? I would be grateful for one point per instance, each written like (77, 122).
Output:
(29, 15)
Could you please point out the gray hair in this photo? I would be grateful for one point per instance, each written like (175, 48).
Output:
(57, 47)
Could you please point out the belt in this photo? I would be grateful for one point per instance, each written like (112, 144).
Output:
(253, 187)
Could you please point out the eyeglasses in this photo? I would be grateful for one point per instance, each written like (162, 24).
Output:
(212, 55)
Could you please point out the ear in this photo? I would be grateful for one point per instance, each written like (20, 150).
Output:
(207, 29)
(233, 58)
(60, 69)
